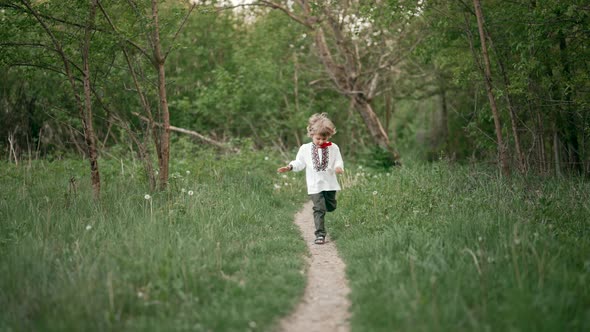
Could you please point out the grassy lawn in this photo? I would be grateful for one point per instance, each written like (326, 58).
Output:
(217, 251)
(451, 248)
(428, 248)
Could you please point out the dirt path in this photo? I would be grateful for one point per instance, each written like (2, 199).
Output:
(324, 306)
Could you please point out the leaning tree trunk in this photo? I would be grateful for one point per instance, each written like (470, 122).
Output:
(511, 111)
(488, 81)
(345, 83)
(373, 125)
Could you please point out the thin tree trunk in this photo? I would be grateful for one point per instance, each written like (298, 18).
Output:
(571, 128)
(556, 150)
(83, 107)
(444, 118)
(89, 134)
(488, 81)
(511, 110)
(541, 143)
(159, 61)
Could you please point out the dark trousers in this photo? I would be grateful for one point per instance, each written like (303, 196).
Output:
(323, 202)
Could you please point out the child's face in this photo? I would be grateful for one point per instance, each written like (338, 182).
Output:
(319, 139)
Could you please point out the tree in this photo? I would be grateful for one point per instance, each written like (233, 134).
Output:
(85, 107)
(489, 87)
(339, 31)
(155, 53)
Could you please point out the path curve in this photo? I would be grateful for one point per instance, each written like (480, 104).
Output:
(325, 304)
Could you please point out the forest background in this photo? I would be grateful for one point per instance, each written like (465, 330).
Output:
(401, 79)
(140, 141)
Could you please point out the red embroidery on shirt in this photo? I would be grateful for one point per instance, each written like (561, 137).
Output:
(317, 165)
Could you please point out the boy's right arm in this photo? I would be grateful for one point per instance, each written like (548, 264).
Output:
(285, 169)
(296, 165)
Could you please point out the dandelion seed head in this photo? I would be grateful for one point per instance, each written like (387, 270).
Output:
(375, 193)
(147, 197)
(188, 172)
(183, 190)
(88, 227)
(266, 158)
(190, 192)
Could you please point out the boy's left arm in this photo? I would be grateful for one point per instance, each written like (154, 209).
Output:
(338, 162)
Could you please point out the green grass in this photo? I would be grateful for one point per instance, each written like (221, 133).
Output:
(451, 248)
(226, 258)
(433, 247)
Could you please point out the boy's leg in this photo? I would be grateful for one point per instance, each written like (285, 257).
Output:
(319, 211)
(330, 197)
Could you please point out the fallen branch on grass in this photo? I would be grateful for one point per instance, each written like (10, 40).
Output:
(193, 133)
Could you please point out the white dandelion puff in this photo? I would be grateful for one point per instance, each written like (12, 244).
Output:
(190, 192)
(375, 193)
(147, 197)
(88, 227)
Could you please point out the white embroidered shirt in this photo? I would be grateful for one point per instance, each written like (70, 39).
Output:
(320, 167)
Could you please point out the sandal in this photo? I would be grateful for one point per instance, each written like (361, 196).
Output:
(320, 239)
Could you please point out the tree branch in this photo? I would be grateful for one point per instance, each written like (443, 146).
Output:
(192, 133)
(178, 31)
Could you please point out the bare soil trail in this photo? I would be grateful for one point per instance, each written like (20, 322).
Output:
(325, 304)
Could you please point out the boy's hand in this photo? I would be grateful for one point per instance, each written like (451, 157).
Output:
(339, 170)
(284, 169)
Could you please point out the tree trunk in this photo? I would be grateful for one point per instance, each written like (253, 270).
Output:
(444, 118)
(556, 150)
(83, 107)
(511, 110)
(571, 128)
(89, 134)
(488, 81)
(374, 127)
(159, 61)
(345, 84)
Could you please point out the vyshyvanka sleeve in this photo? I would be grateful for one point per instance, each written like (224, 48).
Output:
(299, 163)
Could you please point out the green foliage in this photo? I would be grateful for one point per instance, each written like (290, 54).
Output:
(446, 247)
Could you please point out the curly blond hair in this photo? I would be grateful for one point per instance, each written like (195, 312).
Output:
(320, 124)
